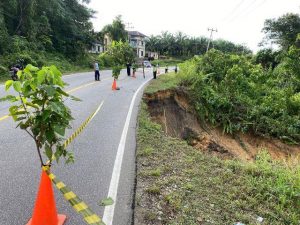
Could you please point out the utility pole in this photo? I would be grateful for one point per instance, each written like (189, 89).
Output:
(129, 26)
(211, 36)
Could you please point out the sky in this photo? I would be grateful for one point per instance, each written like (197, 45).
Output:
(239, 21)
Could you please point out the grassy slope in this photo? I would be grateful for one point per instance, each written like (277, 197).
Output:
(169, 62)
(177, 184)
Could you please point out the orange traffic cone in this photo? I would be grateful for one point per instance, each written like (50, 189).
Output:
(45, 210)
(114, 85)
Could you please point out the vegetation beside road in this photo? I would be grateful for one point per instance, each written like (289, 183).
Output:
(168, 61)
(177, 184)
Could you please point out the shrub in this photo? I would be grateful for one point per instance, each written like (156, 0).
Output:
(232, 92)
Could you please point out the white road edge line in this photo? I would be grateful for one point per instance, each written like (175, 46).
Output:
(108, 215)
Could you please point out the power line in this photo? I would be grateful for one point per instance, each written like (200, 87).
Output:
(234, 10)
(246, 10)
(129, 26)
(259, 5)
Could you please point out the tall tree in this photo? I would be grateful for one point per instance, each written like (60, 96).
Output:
(282, 31)
(116, 30)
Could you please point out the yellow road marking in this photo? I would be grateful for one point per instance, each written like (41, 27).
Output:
(4, 117)
(80, 87)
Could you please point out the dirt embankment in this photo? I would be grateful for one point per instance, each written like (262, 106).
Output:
(172, 109)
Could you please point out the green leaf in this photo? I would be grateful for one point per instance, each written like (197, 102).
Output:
(48, 152)
(10, 98)
(32, 105)
(75, 98)
(41, 77)
(50, 90)
(59, 130)
(50, 135)
(59, 90)
(32, 68)
(106, 202)
(17, 86)
(8, 84)
(70, 158)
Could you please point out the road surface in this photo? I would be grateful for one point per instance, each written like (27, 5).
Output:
(95, 152)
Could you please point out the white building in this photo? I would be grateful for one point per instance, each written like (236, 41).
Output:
(96, 48)
(137, 41)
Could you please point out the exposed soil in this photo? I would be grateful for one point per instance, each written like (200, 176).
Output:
(172, 109)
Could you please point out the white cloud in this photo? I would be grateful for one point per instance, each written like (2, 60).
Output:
(240, 21)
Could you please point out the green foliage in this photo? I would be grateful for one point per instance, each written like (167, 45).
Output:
(232, 92)
(196, 187)
(283, 30)
(3, 71)
(267, 58)
(116, 71)
(180, 45)
(62, 26)
(39, 109)
(106, 202)
(116, 30)
(117, 55)
(105, 60)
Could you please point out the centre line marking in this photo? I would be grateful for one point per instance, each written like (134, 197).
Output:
(108, 215)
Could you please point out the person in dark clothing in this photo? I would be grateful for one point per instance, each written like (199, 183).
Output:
(176, 69)
(154, 71)
(97, 73)
(128, 65)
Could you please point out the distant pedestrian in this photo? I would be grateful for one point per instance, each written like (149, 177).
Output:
(97, 72)
(128, 66)
(154, 71)
(176, 69)
(166, 69)
(157, 69)
(133, 70)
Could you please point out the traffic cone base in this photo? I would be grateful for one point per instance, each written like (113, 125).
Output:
(61, 220)
(44, 212)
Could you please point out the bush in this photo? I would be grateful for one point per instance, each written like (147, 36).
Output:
(105, 60)
(3, 71)
(232, 92)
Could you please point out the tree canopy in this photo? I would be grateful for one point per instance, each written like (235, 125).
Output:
(180, 45)
(116, 30)
(283, 30)
(54, 25)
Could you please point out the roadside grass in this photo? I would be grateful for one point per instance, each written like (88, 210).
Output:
(163, 82)
(169, 62)
(177, 184)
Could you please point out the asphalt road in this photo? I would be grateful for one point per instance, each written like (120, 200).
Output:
(95, 152)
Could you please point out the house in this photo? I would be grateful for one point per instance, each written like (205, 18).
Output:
(106, 42)
(152, 55)
(96, 48)
(137, 41)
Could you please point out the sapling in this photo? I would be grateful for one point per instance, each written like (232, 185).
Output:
(38, 107)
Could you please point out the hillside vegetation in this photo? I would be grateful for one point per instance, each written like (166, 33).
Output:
(180, 185)
(233, 92)
(45, 32)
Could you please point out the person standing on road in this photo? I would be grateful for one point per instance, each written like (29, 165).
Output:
(128, 65)
(176, 69)
(154, 71)
(166, 69)
(97, 72)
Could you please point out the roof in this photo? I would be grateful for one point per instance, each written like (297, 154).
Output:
(136, 33)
